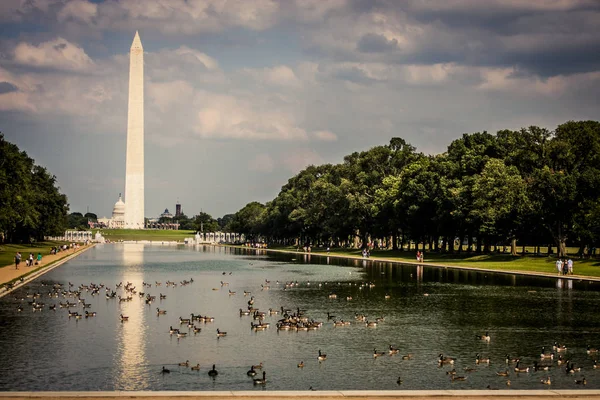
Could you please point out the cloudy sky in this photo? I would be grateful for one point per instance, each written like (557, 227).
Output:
(242, 95)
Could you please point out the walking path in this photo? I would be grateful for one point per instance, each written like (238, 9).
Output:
(430, 264)
(8, 273)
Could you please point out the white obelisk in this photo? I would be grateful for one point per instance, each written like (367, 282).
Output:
(134, 169)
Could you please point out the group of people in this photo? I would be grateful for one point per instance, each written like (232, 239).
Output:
(30, 261)
(420, 256)
(564, 267)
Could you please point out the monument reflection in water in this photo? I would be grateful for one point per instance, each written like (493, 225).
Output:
(130, 357)
(425, 311)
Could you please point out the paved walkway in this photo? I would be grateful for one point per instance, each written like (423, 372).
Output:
(324, 395)
(430, 264)
(8, 273)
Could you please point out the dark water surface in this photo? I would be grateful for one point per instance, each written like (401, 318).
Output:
(429, 311)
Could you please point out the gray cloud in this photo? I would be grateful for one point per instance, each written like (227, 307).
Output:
(7, 87)
(372, 43)
(236, 104)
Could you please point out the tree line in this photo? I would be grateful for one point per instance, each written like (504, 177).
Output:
(31, 205)
(532, 186)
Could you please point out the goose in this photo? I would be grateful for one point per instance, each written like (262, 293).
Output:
(559, 347)
(591, 350)
(258, 366)
(508, 382)
(451, 372)
(242, 312)
(301, 364)
(173, 330)
(251, 372)
(124, 318)
(537, 367)
(457, 378)
(160, 312)
(322, 357)
(90, 314)
(19, 309)
(469, 369)
(502, 373)
(485, 337)
(196, 367)
(232, 293)
(407, 357)
(519, 369)
(479, 360)
(571, 369)
(333, 296)
(213, 371)
(378, 354)
(581, 382)
(184, 320)
(511, 360)
(387, 296)
(185, 364)
(370, 324)
(165, 371)
(546, 381)
(329, 316)
(392, 350)
(546, 356)
(181, 334)
(399, 381)
(221, 334)
(595, 366)
(560, 360)
(445, 360)
(258, 381)
(197, 330)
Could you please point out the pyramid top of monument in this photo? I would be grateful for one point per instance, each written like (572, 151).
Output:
(137, 42)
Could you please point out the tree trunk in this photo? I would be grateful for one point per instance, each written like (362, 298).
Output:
(561, 244)
(395, 241)
(513, 246)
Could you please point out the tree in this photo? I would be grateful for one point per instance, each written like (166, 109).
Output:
(250, 220)
(31, 205)
(204, 222)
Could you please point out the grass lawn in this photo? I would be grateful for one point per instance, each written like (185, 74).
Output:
(500, 262)
(8, 251)
(144, 234)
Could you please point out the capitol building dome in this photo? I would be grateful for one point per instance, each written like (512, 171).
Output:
(118, 215)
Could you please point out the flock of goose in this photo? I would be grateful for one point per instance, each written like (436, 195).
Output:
(288, 320)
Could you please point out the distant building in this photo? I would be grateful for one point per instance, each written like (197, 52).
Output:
(118, 216)
(178, 210)
(155, 223)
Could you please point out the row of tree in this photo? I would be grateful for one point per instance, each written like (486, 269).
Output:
(532, 186)
(203, 222)
(31, 205)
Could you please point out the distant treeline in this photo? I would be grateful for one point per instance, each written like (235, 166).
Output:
(31, 205)
(532, 186)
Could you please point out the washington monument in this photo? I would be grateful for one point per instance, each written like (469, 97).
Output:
(134, 168)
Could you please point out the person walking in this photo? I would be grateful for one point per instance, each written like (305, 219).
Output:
(31, 259)
(570, 266)
(17, 260)
(558, 266)
(39, 259)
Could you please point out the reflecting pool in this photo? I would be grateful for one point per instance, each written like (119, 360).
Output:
(423, 312)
